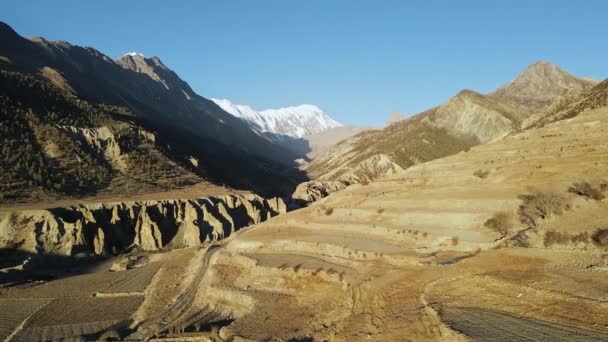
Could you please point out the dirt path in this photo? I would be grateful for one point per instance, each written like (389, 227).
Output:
(171, 317)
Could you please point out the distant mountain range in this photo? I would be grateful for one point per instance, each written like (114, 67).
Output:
(539, 94)
(305, 129)
(77, 122)
(295, 121)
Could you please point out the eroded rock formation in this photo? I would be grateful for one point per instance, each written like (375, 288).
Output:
(312, 191)
(111, 228)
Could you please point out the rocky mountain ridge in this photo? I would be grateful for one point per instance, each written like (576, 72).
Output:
(540, 84)
(469, 118)
(141, 93)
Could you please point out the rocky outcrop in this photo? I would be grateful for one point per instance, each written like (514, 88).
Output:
(395, 117)
(112, 228)
(370, 169)
(312, 191)
(101, 140)
(475, 115)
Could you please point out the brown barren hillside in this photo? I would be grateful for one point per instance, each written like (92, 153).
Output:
(477, 244)
(465, 120)
(570, 106)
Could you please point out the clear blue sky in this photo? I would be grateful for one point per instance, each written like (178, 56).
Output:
(358, 60)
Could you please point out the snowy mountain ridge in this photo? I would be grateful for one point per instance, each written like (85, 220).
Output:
(296, 121)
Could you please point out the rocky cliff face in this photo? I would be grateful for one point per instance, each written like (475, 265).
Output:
(112, 228)
(312, 191)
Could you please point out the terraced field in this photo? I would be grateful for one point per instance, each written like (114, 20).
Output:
(133, 281)
(420, 240)
(495, 326)
(74, 306)
(67, 317)
(14, 311)
(80, 285)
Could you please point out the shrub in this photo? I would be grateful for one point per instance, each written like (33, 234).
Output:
(500, 222)
(380, 211)
(454, 241)
(600, 237)
(586, 190)
(329, 211)
(553, 237)
(540, 205)
(481, 173)
(364, 182)
(521, 239)
(581, 237)
(563, 238)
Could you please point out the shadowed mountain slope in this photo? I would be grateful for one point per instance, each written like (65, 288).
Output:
(185, 128)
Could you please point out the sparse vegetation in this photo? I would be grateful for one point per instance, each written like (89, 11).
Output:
(329, 211)
(42, 149)
(600, 237)
(553, 237)
(539, 205)
(407, 143)
(380, 211)
(604, 185)
(562, 238)
(587, 190)
(481, 173)
(501, 223)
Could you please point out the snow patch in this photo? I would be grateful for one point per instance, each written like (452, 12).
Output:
(134, 54)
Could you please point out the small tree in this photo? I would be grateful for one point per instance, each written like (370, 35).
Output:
(501, 223)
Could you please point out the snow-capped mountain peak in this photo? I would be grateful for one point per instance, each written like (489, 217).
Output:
(134, 54)
(296, 121)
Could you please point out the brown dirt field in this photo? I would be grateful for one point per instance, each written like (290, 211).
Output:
(134, 281)
(85, 310)
(496, 326)
(14, 311)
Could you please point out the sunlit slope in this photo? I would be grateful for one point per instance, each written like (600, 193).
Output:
(426, 253)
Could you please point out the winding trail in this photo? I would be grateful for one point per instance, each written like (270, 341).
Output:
(171, 317)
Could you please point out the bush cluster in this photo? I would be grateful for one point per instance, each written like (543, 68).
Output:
(539, 205)
(587, 190)
(500, 223)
